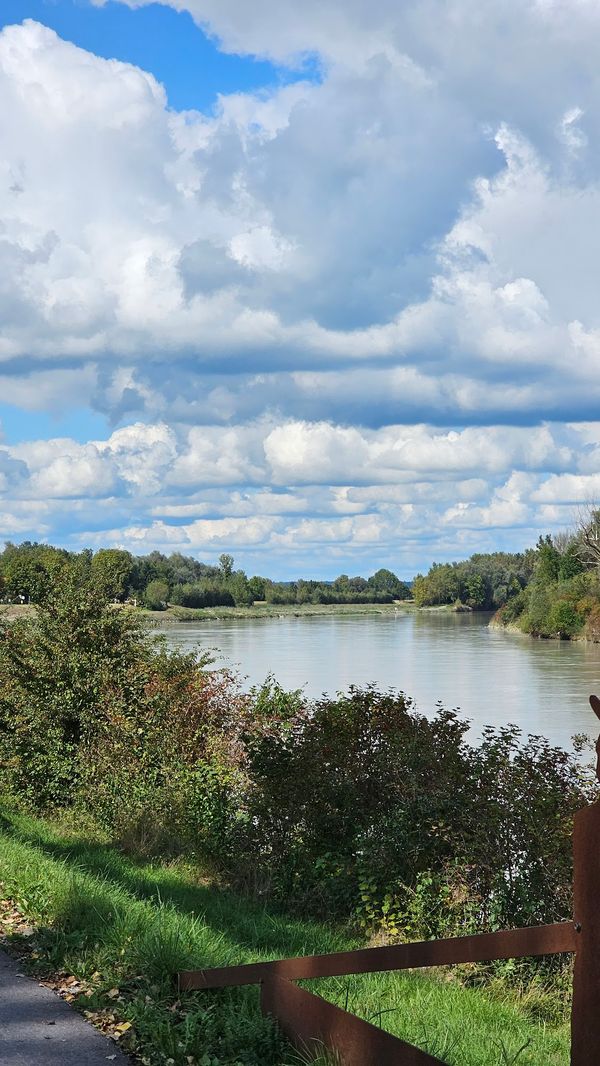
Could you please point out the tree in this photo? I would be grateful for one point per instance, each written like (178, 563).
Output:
(256, 586)
(76, 663)
(588, 528)
(29, 568)
(156, 595)
(112, 570)
(239, 588)
(384, 580)
(548, 561)
(476, 591)
(563, 620)
(226, 566)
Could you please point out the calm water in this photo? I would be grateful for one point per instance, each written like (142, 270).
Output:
(492, 676)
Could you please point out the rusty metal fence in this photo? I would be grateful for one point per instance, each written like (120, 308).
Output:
(312, 1023)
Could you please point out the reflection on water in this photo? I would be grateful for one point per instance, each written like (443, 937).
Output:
(492, 676)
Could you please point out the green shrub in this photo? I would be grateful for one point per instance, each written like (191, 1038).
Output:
(564, 620)
(156, 595)
(355, 807)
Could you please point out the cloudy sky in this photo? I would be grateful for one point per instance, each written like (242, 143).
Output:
(314, 283)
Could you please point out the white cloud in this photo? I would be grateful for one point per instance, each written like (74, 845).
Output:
(292, 301)
(298, 488)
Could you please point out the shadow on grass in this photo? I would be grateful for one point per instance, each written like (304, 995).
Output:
(254, 927)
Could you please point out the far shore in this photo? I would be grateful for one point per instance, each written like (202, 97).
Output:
(174, 615)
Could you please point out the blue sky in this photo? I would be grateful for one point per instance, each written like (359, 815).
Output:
(314, 284)
(156, 38)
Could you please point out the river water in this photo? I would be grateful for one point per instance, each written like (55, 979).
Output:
(492, 676)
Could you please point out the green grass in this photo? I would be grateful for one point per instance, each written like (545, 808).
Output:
(273, 610)
(124, 925)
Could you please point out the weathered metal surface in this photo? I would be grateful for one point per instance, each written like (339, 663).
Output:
(585, 1012)
(311, 1022)
(595, 705)
(484, 947)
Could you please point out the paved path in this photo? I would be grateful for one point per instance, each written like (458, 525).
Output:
(37, 1028)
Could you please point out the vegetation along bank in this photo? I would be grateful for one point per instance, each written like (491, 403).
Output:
(215, 825)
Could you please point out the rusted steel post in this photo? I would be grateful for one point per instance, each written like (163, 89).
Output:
(585, 1017)
(312, 1023)
(585, 1014)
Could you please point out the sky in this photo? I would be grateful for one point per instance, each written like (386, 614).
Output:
(314, 284)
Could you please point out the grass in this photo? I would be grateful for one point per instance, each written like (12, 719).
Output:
(123, 928)
(257, 610)
(273, 610)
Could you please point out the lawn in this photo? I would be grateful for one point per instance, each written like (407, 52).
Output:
(122, 929)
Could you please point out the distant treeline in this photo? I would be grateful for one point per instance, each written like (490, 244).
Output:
(483, 582)
(156, 581)
(552, 590)
(562, 599)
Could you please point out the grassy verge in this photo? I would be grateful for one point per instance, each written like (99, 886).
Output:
(116, 931)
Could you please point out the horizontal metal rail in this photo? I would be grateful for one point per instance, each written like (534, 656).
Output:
(483, 947)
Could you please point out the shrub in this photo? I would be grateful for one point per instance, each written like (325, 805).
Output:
(156, 595)
(564, 620)
(353, 807)
(592, 626)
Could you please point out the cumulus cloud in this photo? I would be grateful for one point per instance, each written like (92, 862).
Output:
(345, 312)
(296, 488)
(363, 219)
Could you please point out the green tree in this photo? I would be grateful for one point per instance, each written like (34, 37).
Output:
(256, 586)
(156, 595)
(548, 561)
(112, 570)
(226, 565)
(30, 568)
(475, 591)
(386, 581)
(563, 620)
(239, 588)
(61, 673)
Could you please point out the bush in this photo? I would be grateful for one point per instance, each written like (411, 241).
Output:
(156, 595)
(202, 594)
(78, 664)
(564, 621)
(361, 805)
(356, 807)
(514, 608)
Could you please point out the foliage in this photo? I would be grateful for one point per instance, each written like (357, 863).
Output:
(156, 595)
(112, 570)
(483, 582)
(27, 570)
(78, 663)
(357, 807)
(384, 580)
(363, 790)
(122, 928)
(562, 596)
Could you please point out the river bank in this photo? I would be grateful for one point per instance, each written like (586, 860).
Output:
(175, 615)
(294, 610)
(513, 628)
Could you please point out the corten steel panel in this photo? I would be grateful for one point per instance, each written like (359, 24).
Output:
(484, 947)
(309, 1022)
(585, 1014)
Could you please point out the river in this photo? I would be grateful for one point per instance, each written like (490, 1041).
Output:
(494, 677)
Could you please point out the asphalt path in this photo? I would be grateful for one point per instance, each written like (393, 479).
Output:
(37, 1028)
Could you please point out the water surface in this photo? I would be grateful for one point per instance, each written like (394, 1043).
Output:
(492, 676)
